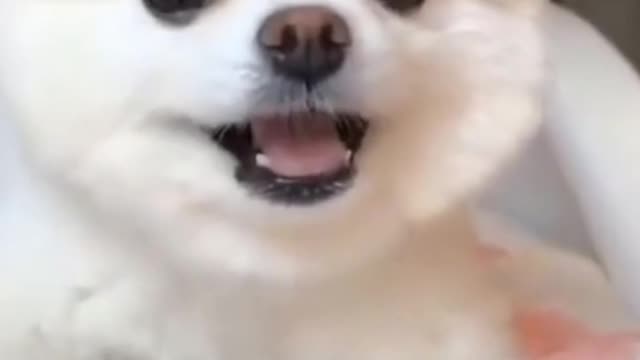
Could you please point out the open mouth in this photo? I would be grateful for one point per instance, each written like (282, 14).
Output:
(298, 158)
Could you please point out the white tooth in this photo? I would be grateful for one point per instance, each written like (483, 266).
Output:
(348, 156)
(262, 160)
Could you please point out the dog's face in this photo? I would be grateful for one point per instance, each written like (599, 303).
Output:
(269, 135)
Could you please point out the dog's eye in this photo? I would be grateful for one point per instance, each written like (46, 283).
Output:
(174, 6)
(177, 11)
(402, 6)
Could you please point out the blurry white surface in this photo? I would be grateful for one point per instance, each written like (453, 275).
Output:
(11, 169)
(586, 159)
(534, 193)
(595, 102)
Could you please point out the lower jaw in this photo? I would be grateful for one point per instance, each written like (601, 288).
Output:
(299, 191)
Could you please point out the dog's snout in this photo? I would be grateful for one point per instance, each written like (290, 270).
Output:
(307, 43)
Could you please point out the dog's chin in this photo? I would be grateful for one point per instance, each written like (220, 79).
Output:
(292, 243)
(287, 227)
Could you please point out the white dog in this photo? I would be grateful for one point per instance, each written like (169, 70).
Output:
(265, 179)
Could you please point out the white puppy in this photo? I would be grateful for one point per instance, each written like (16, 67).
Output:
(260, 179)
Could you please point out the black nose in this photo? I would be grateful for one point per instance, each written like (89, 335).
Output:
(306, 43)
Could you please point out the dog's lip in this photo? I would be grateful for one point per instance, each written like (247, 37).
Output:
(293, 145)
(314, 165)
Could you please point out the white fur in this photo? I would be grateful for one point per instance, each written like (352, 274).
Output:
(129, 236)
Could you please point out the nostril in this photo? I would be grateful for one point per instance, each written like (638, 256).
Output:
(289, 39)
(326, 36)
(281, 37)
(336, 33)
(333, 39)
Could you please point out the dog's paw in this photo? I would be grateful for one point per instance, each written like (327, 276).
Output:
(77, 323)
(106, 322)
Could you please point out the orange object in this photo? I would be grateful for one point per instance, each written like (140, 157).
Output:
(547, 335)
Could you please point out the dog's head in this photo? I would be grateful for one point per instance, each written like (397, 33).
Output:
(274, 135)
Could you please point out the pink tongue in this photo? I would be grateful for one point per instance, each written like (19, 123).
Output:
(299, 148)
